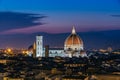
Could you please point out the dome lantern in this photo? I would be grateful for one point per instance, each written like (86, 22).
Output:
(73, 30)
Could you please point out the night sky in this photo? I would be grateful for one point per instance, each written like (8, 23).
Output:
(27, 17)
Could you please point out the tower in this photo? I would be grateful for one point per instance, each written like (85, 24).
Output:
(34, 49)
(47, 51)
(39, 46)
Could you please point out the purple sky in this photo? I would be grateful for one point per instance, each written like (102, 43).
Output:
(87, 15)
(28, 17)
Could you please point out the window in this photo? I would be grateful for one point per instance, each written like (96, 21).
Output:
(38, 43)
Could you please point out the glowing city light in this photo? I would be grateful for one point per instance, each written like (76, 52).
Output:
(9, 50)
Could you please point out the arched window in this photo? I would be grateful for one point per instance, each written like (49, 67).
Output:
(38, 43)
(69, 49)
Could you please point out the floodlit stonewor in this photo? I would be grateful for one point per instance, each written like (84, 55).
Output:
(73, 44)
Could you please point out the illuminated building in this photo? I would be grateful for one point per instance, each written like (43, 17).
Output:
(53, 52)
(8, 78)
(73, 44)
(83, 53)
(39, 46)
(109, 49)
(9, 51)
(4, 61)
(72, 47)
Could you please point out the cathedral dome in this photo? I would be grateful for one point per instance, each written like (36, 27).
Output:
(73, 41)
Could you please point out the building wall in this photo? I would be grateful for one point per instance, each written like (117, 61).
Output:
(39, 46)
(73, 50)
(73, 47)
(53, 53)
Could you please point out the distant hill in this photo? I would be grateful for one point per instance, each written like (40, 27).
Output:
(96, 40)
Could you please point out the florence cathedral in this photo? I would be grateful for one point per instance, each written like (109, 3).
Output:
(73, 47)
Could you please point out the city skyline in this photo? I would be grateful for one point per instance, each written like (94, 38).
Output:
(59, 39)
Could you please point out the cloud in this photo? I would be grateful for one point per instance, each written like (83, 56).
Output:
(115, 15)
(16, 20)
(27, 30)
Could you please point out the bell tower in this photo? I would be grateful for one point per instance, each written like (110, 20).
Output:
(39, 46)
